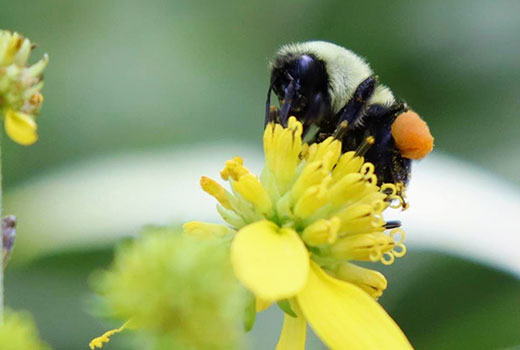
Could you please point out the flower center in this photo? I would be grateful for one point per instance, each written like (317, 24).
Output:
(330, 199)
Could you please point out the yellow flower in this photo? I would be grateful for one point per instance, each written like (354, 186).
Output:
(20, 85)
(296, 230)
(176, 290)
(18, 332)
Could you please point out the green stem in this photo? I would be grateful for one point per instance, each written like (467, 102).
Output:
(1, 243)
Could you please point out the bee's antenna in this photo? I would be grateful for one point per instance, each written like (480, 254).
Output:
(286, 107)
(268, 105)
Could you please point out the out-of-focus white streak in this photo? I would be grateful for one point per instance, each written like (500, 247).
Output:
(462, 209)
(454, 207)
(94, 202)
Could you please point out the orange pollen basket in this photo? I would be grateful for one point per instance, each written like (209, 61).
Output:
(412, 135)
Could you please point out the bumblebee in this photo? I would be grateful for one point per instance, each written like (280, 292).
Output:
(333, 92)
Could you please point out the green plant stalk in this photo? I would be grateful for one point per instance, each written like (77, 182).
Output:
(1, 243)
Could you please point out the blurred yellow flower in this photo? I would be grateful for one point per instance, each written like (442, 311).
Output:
(176, 290)
(20, 85)
(295, 230)
(18, 332)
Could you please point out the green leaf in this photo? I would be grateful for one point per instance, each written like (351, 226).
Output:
(286, 307)
(250, 313)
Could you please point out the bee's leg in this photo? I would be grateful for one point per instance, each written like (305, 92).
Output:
(273, 115)
(401, 171)
(316, 109)
(379, 111)
(391, 167)
(353, 110)
(290, 92)
(401, 168)
(313, 117)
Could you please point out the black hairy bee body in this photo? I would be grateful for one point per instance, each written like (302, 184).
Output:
(333, 92)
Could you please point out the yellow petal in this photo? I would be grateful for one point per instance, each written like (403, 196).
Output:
(312, 199)
(272, 263)
(262, 304)
(363, 247)
(252, 190)
(312, 174)
(293, 333)
(328, 152)
(11, 45)
(322, 232)
(21, 128)
(214, 189)
(372, 282)
(347, 164)
(282, 147)
(347, 318)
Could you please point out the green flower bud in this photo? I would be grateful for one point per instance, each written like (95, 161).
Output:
(18, 332)
(20, 85)
(179, 289)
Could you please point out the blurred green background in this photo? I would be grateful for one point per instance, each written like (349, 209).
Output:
(128, 76)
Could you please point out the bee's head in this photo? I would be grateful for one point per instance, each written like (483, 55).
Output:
(301, 83)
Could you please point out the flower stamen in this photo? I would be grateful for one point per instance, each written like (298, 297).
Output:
(215, 190)
(365, 146)
(105, 338)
